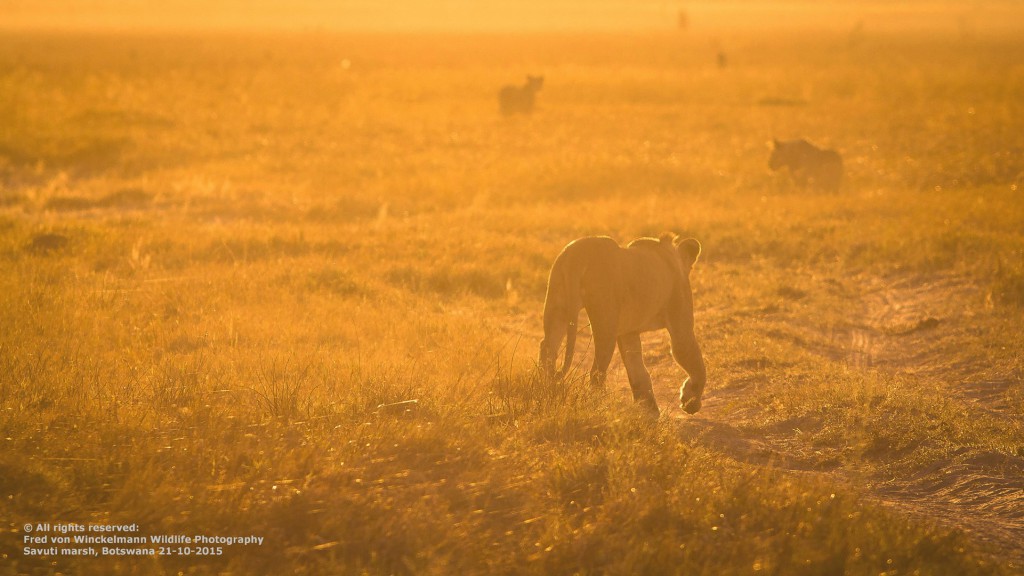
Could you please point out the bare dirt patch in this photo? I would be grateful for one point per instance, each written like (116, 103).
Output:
(915, 328)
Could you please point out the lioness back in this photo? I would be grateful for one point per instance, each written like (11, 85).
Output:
(562, 300)
(625, 291)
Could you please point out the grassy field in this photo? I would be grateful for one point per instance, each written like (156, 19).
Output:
(291, 286)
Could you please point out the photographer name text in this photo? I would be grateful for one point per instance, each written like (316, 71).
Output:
(72, 539)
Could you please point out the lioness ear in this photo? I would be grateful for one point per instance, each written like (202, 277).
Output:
(669, 238)
(689, 250)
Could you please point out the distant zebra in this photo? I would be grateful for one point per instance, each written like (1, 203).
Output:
(519, 99)
(808, 165)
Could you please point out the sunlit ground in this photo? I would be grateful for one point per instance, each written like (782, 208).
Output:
(289, 284)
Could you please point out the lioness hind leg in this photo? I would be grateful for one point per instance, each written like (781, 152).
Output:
(631, 351)
(546, 359)
(556, 327)
(570, 347)
(604, 347)
(604, 326)
(555, 333)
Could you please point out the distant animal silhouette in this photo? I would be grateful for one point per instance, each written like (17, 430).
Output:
(642, 287)
(683, 20)
(520, 99)
(46, 243)
(808, 165)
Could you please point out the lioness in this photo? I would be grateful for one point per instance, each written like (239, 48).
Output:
(519, 99)
(808, 165)
(642, 287)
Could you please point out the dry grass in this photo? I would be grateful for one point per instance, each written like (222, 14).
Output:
(231, 264)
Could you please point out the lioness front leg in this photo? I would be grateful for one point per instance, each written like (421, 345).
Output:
(686, 353)
(631, 350)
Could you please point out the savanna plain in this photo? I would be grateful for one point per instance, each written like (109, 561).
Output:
(291, 285)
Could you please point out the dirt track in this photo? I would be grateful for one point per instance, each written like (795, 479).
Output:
(903, 332)
(905, 329)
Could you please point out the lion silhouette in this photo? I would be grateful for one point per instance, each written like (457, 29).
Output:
(520, 99)
(808, 165)
(625, 291)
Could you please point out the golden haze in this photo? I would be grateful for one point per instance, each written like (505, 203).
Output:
(290, 284)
